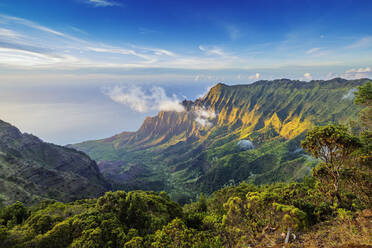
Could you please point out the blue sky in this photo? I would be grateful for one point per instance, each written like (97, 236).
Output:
(58, 56)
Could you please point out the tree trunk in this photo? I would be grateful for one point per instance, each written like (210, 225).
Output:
(288, 234)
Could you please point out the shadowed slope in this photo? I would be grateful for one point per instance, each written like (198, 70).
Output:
(31, 169)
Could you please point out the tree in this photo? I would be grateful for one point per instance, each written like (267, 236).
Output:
(202, 203)
(3, 235)
(360, 179)
(363, 97)
(333, 145)
(292, 217)
(136, 242)
(174, 235)
(14, 214)
(364, 94)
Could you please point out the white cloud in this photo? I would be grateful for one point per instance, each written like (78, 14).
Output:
(212, 50)
(350, 94)
(72, 53)
(255, 76)
(18, 57)
(356, 73)
(204, 116)
(156, 100)
(46, 43)
(161, 52)
(362, 43)
(122, 52)
(7, 33)
(26, 36)
(141, 101)
(360, 70)
(307, 76)
(12, 19)
(103, 3)
(156, 51)
(312, 50)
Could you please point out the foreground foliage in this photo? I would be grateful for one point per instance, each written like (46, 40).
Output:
(239, 216)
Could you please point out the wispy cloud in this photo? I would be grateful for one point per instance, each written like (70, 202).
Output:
(31, 58)
(156, 51)
(312, 50)
(212, 50)
(72, 52)
(78, 30)
(27, 23)
(120, 51)
(27, 45)
(362, 43)
(45, 43)
(103, 3)
(7, 33)
(233, 31)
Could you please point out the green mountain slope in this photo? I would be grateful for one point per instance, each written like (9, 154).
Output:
(31, 169)
(198, 150)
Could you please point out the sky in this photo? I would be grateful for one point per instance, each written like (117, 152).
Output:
(78, 70)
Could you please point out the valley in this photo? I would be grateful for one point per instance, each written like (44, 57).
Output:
(196, 150)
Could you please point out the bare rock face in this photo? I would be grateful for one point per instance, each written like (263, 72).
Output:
(31, 169)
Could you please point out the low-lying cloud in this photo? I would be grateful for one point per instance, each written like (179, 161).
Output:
(350, 94)
(307, 76)
(139, 100)
(356, 73)
(156, 99)
(204, 116)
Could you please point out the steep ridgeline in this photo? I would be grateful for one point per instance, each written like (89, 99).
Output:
(234, 133)
(31, 170)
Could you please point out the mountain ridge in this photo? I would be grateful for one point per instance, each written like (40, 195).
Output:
(198, 147)
(32, 170)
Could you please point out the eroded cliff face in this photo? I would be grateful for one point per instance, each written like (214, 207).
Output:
(163, 127)
(290, 107)
(196, 150)
(31, 169)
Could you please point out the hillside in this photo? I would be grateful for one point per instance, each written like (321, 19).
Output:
(31, 170)
(208, 146)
